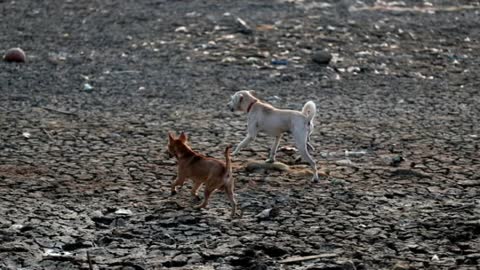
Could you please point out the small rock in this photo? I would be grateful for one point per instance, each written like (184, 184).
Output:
(26, 135)
(393, 161)
(344, 162)
(347, 265)
(469, 183)
(265, 27)
(125, 212)
(473, 256)
(275, 99)
(16, 227)
(244, 28)
(338, 182)
(353, 69)
(355, 153)
(15, 55)
(268, 213)
(396, 160)
(195, 258)
(180, 259)
(264, 214)
(373, 231)
(96, 213)
(120, 222)
(256, 165)
(87, 87)
(181, 29)
(401, 266)
(280, 62)
(322, 58)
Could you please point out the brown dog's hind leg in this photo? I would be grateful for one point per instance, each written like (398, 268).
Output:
(208, 193)
(231, 198)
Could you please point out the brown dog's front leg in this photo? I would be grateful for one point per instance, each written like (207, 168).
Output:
(195, 188)
(178, 182)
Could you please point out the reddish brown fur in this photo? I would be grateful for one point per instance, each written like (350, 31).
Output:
(215, 174)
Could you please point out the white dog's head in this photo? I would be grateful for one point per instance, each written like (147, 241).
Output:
(240, 100)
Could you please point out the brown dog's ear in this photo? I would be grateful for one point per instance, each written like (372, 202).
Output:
(183, 137)
(171, 137)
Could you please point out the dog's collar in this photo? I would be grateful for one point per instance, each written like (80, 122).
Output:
(251, 104)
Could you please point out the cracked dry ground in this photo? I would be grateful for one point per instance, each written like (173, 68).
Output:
(93, 175)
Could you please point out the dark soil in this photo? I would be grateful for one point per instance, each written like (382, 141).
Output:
(84, 177)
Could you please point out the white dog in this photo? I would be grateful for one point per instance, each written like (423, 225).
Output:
(264, 117)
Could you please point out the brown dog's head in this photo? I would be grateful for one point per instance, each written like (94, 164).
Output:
(175, 144)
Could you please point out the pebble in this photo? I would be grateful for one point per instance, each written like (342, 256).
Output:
(322, 57)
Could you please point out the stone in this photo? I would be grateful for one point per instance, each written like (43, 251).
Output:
(243, 26)
(275, 166)
(124, 212)
(373, 231)
(322, 57)
(401, 266)
(180, 260)
(195, 258)
(15, 55)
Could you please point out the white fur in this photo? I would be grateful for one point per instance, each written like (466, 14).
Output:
(264, 117)
(309, 110)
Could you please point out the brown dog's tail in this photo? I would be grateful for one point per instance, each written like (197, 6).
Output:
(228, 162)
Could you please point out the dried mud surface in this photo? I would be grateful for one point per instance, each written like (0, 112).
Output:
(84, 178)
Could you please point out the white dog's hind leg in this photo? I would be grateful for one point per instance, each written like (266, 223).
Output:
(273, 151)
(310, 147)
(301, 143)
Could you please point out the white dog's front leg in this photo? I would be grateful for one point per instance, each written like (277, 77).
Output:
(243, 143)
(252, 133)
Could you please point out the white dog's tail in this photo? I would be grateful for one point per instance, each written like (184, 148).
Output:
(309, 110)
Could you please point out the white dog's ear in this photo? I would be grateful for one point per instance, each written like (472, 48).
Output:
(239, 97)
(183, 137)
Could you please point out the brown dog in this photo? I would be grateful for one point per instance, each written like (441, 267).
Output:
(202, 170)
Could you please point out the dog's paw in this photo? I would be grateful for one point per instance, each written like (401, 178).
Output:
(234, 215)
(270, 160)
(199, 206)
